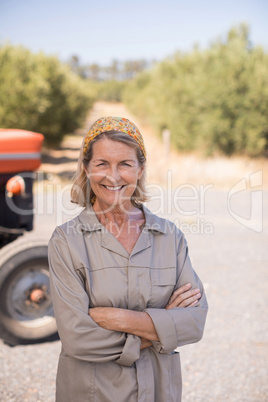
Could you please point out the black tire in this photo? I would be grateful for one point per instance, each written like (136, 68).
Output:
(23, 270)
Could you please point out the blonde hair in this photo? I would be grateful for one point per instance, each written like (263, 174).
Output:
(81, 191)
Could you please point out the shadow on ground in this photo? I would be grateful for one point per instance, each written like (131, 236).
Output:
(12, 340)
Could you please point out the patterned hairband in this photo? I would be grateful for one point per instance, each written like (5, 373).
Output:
(117, 124)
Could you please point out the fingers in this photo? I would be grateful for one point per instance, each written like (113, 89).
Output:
(187, 299)
(179, 291)
(193, 304)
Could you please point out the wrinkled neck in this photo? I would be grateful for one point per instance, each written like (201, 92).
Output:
(118, 214)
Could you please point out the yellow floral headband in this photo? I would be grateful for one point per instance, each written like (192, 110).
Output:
(114, 124)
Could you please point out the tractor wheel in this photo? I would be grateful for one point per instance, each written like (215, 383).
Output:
(26, 309)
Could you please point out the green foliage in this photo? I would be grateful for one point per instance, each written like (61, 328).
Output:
(109, 91)
(38, 93)
(212, 100)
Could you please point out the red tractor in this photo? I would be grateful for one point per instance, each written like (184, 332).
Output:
(26, 309)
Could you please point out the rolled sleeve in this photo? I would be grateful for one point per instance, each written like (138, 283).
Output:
(165, 329)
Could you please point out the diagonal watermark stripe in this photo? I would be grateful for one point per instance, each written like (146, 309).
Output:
(255, 221)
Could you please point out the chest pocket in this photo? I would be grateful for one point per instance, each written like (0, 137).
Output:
(163, 281)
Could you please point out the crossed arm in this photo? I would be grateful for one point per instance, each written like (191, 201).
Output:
(140, 323)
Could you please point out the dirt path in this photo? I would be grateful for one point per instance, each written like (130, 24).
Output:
(220, 172)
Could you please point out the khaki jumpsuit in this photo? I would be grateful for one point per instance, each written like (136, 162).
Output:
(90, 268)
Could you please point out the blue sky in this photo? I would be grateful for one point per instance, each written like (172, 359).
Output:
(101, 30)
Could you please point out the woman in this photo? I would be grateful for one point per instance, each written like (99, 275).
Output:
(124, 291)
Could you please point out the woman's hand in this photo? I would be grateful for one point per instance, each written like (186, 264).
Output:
(145, 343)
(184, 297)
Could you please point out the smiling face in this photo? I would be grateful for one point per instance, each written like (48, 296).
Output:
(113, 172)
